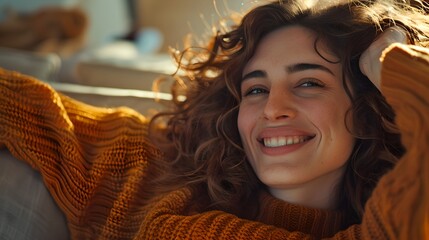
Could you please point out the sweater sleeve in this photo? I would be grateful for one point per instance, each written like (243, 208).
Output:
(399, 205)
(91, 159)
(398, 208)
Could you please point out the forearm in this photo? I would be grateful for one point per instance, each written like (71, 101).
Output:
(92, 159)
(400, 202)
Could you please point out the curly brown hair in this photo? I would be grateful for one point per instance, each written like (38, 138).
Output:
(201, 141)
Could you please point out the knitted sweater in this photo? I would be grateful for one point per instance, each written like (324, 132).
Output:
(95, 161)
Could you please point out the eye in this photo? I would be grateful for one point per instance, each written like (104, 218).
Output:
(255, 91)
(311, 83)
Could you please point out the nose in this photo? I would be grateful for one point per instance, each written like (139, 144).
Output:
(280, 105)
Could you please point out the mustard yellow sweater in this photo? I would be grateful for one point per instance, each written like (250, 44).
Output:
(94, 161)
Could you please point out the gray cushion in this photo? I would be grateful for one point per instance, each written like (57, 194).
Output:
(44, 66)
(27, 210)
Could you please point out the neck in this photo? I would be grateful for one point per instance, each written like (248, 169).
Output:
(320, 193)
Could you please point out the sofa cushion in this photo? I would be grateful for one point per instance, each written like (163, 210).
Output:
(27, 210)
(44, 66)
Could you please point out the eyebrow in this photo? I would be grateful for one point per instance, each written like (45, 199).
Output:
(290, 69)
(307, 66)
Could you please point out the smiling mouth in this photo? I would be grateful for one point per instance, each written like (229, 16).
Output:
(273, 142)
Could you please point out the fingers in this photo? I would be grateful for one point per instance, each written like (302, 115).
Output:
(370, 63)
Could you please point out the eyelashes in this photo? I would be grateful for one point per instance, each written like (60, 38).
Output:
(255, 91)
(309, 83)
(304, 84)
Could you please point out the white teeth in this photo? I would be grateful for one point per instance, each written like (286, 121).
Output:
(283, 141)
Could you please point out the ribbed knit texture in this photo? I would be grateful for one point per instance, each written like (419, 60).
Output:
(318, 222)
(94, 161)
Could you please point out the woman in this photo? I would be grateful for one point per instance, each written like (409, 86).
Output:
(318, 134)
(284, 134)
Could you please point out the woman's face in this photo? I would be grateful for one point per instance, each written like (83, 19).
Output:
(292, 115)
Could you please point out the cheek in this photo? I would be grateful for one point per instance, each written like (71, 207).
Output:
(334, 124)
(247, 122)
(243, 123)
(331, 119)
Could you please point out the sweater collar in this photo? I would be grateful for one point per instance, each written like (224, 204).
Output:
(317, 222)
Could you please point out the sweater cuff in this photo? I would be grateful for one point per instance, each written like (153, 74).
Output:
(405, 84)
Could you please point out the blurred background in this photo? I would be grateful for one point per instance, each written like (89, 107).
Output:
(106, 52)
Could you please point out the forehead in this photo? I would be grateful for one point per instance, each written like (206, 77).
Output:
(291, 33)
(290, 44)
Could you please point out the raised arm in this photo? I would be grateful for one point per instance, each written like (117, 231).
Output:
(401, 198)
(91, 159)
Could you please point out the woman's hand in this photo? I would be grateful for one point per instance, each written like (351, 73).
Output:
(370, 63)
